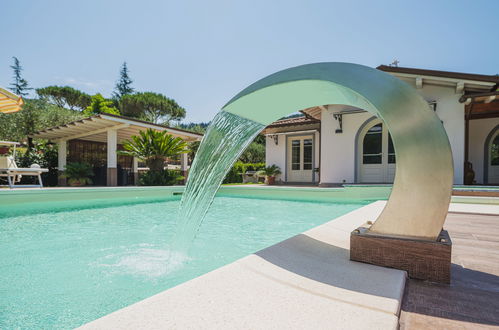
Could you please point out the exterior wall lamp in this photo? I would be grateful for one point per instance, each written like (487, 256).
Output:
(339, 118)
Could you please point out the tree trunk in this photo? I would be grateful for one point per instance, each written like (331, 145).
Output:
(30, 143)
(156, 164)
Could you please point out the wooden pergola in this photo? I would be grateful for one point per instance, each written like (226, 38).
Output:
(109, 131)
(481, 105)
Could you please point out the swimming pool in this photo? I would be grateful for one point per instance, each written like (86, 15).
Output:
(63, 269)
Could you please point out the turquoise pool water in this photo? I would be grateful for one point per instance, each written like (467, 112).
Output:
(63, 269)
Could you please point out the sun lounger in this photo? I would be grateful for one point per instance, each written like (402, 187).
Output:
(9, 169)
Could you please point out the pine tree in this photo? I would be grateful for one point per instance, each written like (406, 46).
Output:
(100, 105)
(20, 85)
(124, 84)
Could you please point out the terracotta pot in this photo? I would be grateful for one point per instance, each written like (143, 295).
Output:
(271, 180)
(74, 183)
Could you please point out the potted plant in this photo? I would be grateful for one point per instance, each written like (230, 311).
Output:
(270, 173)
(78, 174)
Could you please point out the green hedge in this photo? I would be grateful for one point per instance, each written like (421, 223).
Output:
(234, 175)
(160, 178)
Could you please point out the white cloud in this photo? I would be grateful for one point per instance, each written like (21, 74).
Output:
(98, 86)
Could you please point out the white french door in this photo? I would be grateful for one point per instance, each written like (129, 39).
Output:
(300, 159)
(377, 155)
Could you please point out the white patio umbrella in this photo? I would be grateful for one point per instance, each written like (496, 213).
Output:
(9, 102)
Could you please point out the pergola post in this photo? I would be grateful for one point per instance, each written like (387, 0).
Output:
(62, 151)
(135, 171)
(184, 163)
(112, 157)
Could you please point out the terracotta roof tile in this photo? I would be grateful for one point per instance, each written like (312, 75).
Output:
(302, 120)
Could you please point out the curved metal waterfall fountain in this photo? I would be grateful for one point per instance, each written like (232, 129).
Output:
(423, 181)
(424, 170)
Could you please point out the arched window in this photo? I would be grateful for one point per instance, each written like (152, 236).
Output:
(491, 155)
(391, 150)
(377, 154)
(494, 151)
(372, 145)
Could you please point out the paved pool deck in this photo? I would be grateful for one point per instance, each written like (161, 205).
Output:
(471, 301)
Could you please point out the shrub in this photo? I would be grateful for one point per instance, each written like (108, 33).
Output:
(78, 173)
(44, 155)
(160, 178)
(255, 152)
(235, 173)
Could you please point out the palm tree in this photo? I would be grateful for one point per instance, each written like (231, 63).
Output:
(154, 147)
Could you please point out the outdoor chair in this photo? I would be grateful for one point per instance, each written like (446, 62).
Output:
(9, 170)
(250, 176)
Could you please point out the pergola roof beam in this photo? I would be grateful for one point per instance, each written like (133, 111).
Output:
(91, 127)
(88, 133)
(153, 126)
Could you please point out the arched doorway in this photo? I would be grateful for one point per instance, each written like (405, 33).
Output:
(492, 157)
(376, 154)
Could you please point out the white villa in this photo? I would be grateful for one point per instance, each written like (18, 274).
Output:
(332, 144)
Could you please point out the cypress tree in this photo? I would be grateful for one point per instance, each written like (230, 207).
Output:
(20, 85)
(124, 84)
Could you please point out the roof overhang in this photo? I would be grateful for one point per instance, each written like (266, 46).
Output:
(10, 102)
(274, 129)
(95, 129)
(313, 112)
(460, 81)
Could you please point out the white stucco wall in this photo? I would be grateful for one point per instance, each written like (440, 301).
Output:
(479, 130)
(276, 154)
(338, 149)
(451, 112)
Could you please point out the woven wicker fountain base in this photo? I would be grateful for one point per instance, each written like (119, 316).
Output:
(425, 260)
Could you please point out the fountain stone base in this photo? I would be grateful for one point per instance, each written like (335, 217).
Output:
(422, 259)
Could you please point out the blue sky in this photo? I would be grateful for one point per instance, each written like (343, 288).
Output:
(201, 53)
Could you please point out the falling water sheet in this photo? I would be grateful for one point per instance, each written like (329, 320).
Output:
(226, 138)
